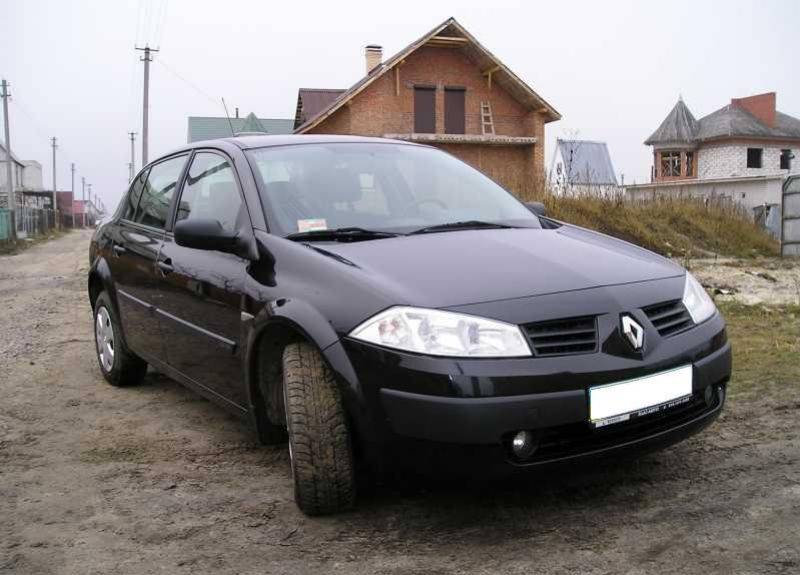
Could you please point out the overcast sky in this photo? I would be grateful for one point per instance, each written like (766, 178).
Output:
(612, 69)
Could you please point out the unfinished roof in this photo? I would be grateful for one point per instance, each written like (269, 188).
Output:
(210, 128)
(312, 101)
(448, 34)
(586, 162)
(731, 121)
(735, 121)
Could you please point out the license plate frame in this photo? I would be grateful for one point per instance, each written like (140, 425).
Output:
(623, 400)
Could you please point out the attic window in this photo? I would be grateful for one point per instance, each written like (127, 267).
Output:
(670, 164)
(754, 157)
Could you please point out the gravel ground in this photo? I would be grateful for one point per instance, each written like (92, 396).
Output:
(762, 281)
(153, 479)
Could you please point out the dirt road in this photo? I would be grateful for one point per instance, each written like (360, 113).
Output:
(153, 479)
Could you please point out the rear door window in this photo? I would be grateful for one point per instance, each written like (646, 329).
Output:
(156, 196)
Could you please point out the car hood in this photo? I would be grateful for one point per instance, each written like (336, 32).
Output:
(473, 266)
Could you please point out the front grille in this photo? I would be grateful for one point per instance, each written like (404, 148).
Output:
(669, 318)
(563, 336)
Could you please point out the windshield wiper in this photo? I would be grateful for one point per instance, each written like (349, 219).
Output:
(465, 225)
(351, 234)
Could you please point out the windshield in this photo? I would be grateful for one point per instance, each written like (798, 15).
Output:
(384, 187)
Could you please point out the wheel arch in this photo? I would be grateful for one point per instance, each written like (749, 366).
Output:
(272, 330)
(100, 280)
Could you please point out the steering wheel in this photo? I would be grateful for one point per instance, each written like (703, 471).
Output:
(417, 203)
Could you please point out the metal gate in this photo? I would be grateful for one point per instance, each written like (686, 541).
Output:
(790, 226)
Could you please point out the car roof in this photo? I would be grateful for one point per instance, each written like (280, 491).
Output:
(249, 142)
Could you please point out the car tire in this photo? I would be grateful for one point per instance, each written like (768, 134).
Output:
(120, 367)
(319, 438)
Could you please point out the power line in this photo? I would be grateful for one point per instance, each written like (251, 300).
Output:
(189, 83)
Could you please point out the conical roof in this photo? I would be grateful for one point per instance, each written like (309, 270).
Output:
(678, 127)
(252, 124)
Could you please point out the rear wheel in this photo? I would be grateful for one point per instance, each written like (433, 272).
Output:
(120, 367)
(319, 440)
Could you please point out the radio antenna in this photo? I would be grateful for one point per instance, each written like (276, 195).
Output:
(228, 116)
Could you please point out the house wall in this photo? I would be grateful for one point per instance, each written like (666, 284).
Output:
(17, 175)
(730, 160)
(379, 110)
(748, 193)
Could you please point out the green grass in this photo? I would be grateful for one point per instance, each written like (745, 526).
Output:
(766, 348)
(671, 227)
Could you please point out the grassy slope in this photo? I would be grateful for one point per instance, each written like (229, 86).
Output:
(766, 347)
(676, 228)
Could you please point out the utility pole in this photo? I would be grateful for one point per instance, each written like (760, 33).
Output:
(72, 190)
(83, 200)
(12, 200)
(89, 193)
(55, 204)
(147, 58)
(132, 165)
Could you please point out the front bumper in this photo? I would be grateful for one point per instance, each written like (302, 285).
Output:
(484, 402)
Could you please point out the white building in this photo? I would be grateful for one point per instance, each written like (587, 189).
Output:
(27, 175)
(742, 152)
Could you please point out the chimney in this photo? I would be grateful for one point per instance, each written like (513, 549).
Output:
(374, 56)
(762, 106)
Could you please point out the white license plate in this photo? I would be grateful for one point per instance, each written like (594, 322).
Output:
(616, 402)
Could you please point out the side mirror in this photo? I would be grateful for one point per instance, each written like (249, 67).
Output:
(205, 234)
(536, 207)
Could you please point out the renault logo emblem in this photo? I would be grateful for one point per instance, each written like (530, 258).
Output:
(633, 332)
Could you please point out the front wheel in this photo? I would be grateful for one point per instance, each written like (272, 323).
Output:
(120, 367)
(319, 439)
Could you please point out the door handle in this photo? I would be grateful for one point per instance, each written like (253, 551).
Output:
(119, 250)
(165, 266)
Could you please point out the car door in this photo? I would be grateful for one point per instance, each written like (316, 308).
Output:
(137, 240)
(202, 289)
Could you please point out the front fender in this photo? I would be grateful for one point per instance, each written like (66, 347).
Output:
(291, 316)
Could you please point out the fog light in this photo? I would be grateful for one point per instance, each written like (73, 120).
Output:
(523, 445)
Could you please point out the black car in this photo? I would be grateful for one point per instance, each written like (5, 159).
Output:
(370, 297)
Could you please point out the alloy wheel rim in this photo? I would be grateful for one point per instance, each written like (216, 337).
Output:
(104, 337)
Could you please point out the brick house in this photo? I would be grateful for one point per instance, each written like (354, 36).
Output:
(742, 151)
(447, 90)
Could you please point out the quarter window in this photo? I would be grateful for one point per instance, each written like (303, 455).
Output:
(132, 199)
(211, 192)
(754, 157)
(158, 191)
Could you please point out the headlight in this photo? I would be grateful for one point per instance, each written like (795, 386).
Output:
(444, 333)
(698, 303)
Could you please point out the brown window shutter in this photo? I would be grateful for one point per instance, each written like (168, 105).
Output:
(454, 110)
(424, 110)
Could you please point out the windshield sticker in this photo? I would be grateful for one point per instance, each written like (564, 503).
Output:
(311, 225)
